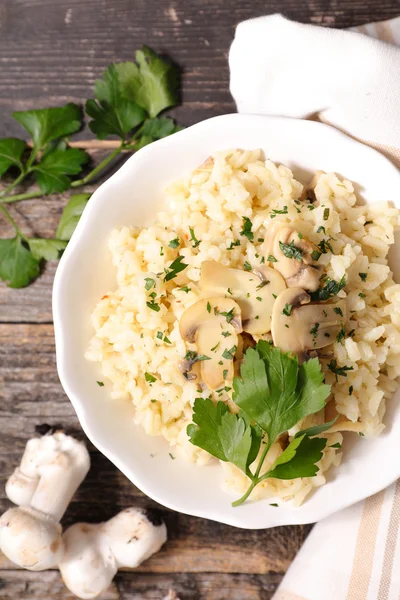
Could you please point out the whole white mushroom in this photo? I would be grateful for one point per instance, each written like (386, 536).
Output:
(94, 553)
(51, 470)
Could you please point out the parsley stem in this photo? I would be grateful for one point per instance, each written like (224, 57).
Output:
(246, 495)
(261, 461)
(19, 197)
(12, 222)
(99, 168)
(14, 184)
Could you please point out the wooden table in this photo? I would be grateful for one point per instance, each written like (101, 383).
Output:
(51, 51)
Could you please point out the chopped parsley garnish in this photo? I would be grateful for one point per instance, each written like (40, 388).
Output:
(159, 335)
(153, 305)
(247, 266)
(100, 383)
(246, 231)
(310, 207)
(260, 240)
(363, 276)
(193, 357)
(291, 251)
(150, 378)
(337, 445)
(332, 366)
(321, 230)
(226, 333)
(300, 235)
(351, 390)
(315, 255)
(314, 331)
(149, 283)
(325, 246)
(185, 289)
(225, 373)
(229, 354)
(262, 284)
(338, 311)
(194, 239)
(229, 315)
(259, 298)
(351, 333)
(326, 214)
(275, 212)
(341, 335)
(161, 251)
(215, 347)
(271, 258)
(287, 310)
(274, 296)
(233, 244)
(362, 295)
(330, 288)
(368, 223)
(167, 340)
(229, 291)
(174, 268)
(262, 261)
(208, 307)
(171, 456)
(174, 243)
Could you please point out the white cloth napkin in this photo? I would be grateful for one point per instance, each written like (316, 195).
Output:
(351, 81)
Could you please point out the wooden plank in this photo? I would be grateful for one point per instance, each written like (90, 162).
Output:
(140, 586)
(31, 395)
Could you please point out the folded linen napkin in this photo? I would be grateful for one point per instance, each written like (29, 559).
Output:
(352, 82)
(349, 80)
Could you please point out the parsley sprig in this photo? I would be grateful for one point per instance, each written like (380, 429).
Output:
(273, 393)
(127, 101)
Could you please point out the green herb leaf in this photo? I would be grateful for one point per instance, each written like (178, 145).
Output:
(47, 124)
(316, 429)
(150, 378)
(326, 214)
(174, 243)
(330, 288)
(332, 366)
(291, 251)
(71, 215)
(158, 128)
(152, 83)
(247, 266)
(287, 310)
(299, 458)
(153, 306)
(271, 258)
(224, 435)
(363, 276)
(18, 267)
(174, 268)
(52, 171)
(246, 231)
(275, 391)
(46, 249)
(11, 150)
(229, 354)
(149, 283)
(111, 111)
(195, 241)
(100, 383)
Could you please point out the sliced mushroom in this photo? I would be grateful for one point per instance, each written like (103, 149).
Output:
(300, 271)
(254, 292)
(213, 325)
(298, 325)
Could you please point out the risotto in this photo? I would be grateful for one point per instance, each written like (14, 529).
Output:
(231, 212)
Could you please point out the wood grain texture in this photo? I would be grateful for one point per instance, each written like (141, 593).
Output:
(30, 395)
(51, 52)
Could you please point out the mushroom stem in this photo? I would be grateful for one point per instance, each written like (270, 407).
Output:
(51, 470)
(94, 553)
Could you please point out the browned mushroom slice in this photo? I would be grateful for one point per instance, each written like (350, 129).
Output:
(213, 325)
(292, 257)
(298, 326)
(254, 292)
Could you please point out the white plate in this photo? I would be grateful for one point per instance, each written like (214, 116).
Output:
(132, 196)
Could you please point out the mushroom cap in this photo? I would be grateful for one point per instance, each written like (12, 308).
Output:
(204, 324)
(253, 291)
(30, 539)
(308, 326)
(88, 565)
(304, 273)
(134, 537)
